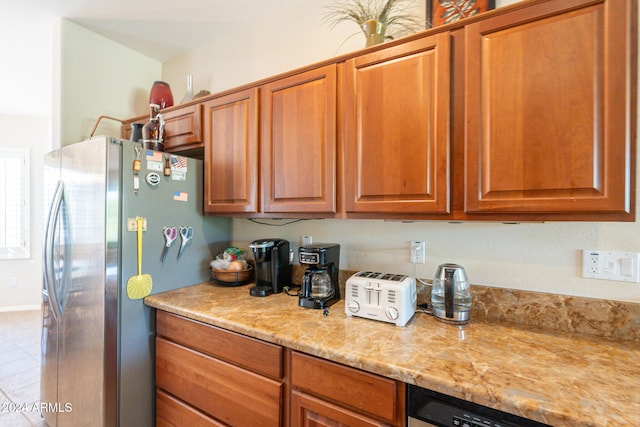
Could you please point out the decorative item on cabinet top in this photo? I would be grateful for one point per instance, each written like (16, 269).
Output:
(376, 17)
(188, 96)
(441, 12)
(161, 95)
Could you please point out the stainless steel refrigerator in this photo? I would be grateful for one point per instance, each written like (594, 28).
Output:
(97, 343)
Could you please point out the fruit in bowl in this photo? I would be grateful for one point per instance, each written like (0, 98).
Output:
(230, 268)
(236, 266)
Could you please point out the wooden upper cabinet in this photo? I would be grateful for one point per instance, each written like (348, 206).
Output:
(231, 153)
(548, 111)
(183, 128)
(396, 128)
(298, 143)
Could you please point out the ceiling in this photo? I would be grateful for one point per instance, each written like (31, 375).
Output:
(160, 29)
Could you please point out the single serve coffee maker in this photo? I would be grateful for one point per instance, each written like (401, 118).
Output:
(320, 286)
(273, 266)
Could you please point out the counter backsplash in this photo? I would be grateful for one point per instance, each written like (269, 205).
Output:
(619, 321)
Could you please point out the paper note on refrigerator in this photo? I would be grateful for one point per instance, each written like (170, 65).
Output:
(154, 160)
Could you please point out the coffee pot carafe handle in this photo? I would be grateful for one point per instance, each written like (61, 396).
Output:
(306, 284)
(449, 292)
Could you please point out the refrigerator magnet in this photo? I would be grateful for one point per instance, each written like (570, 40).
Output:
(178, 168)
(154, 160)
(181, 196)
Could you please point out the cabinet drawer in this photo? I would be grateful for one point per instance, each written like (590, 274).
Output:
(172, 412)
(362, 391)
(231, 394)
(249, 353)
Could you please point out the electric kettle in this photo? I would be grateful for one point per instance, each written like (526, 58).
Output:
(451, 294)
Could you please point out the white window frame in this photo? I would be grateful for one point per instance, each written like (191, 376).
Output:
(14, 209)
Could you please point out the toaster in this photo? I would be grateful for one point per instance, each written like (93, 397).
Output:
(381, 296)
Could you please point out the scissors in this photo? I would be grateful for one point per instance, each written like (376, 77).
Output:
(186, 233)
(170, 234)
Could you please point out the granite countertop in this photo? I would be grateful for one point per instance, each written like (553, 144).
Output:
(558, 378)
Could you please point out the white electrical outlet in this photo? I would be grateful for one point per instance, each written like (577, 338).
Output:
(622, 266)
(418, 252)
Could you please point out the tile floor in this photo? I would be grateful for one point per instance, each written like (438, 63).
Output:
(20, 368)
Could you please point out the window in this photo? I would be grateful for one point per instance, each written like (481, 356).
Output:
(14, 210)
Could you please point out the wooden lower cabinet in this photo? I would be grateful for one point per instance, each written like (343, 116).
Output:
(208, 376)
(325, 393)
(206, 385)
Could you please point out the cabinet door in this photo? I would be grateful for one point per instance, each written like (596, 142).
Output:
(298, 154)
(309, 411)
(231, 153)
(183, 128)
(548, 110)
(396, 109)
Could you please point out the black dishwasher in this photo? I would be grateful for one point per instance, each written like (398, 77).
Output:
(428, 408)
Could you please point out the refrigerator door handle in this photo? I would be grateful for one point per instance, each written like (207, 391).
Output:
(49, 238)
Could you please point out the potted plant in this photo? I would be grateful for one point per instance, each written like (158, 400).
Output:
(375, 17)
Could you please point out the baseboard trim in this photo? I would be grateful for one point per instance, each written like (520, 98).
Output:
(21, 308)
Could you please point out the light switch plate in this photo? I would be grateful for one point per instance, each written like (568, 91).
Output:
(621, 266)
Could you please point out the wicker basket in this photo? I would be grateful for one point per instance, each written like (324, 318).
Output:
(232, 278)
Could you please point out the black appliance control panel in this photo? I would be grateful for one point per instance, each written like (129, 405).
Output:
(471, 420)
(310, 257)
(440, 410)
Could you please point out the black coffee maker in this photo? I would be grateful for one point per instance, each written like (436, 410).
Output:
(273, 266)
(320, 286)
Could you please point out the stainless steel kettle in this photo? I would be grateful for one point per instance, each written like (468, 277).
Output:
(451, 294)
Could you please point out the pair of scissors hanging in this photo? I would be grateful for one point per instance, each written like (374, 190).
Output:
(171, 234)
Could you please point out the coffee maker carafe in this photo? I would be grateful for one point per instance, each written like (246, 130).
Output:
(273, 266)
(451, 294)
(320, 287)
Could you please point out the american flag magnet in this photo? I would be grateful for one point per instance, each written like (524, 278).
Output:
(181, 196)
(178, 168)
